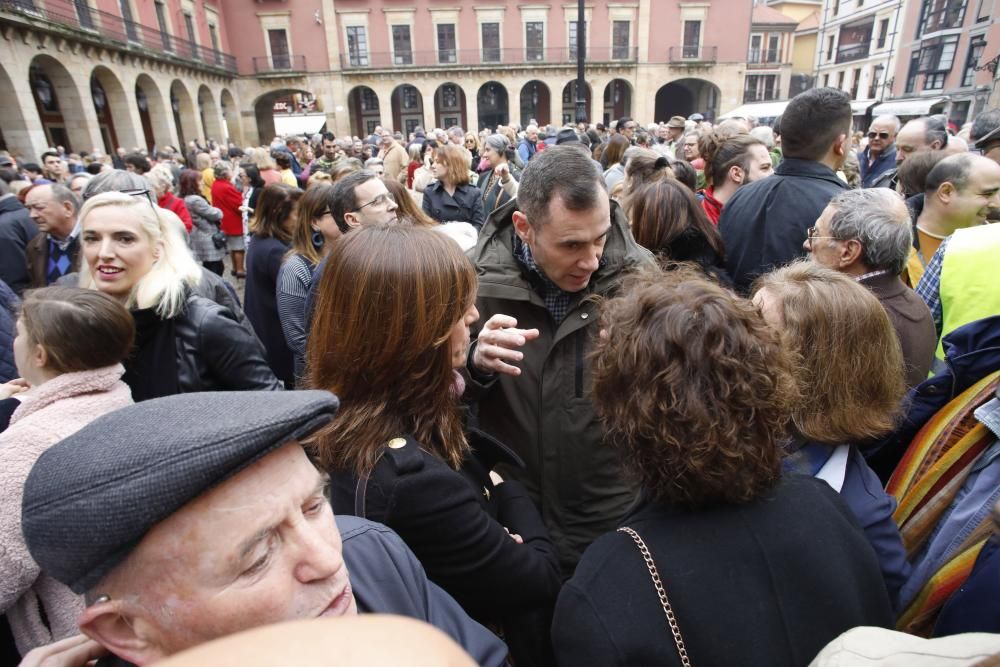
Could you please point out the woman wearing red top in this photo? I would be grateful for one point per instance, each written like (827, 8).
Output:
(162, 180)
(226, 197)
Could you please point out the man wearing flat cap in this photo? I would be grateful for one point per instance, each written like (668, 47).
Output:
(193, 517)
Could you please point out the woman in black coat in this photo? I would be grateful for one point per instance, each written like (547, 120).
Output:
(397, 452)
(498, 184)
(451, 198)
(757, 569)
(270, 237)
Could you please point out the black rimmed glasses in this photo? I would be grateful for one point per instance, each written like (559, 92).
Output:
(381, 200)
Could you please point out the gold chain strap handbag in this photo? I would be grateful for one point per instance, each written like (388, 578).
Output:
(668, 611)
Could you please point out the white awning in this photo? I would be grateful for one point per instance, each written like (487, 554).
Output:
(917, 106)
(757, 110)
(859, 108)
(307, 124)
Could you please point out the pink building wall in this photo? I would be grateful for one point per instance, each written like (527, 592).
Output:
(726, 27)
(307, 37)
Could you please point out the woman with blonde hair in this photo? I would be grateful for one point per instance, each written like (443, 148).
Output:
(850, 376)
(396, 451)
(133, 252)
(452, 198)
(203, 163)
(472, 145)
(261, 158)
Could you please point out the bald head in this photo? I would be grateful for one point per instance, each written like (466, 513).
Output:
(882, 134)
(357, 641)
(920, 134)
(962, 189)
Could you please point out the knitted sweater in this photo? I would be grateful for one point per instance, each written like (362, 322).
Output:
(48, 413)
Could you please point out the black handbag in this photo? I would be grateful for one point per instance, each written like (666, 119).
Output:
(219, 240)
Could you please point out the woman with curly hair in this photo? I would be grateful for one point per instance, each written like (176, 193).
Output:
(758, 568)
(851, 379)
(396, 452)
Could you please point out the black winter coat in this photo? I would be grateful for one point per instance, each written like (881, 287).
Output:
(16, 231)
(767, 583)
(465, 206)
(264, 257)
(764, 224)
(9, 304)
(216, 353)
(454, 522)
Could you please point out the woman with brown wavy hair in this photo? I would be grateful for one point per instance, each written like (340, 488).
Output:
(391, 327)
(759, 569)
(850, 376)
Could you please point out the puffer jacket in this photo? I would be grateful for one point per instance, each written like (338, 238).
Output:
(48, 413)
(545, 415)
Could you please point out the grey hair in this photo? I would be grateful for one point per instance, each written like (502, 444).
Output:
(63, 195)
(890, 119)
(498, 143)
(876, 218)
(115, 180)
(763, 134)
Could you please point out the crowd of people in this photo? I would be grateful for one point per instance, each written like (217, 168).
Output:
(685, 393)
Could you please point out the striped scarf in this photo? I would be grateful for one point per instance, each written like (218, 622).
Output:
(925, 485)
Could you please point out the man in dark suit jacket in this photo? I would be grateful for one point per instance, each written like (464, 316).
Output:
(764, 224)
(56, 252)
(866, 234)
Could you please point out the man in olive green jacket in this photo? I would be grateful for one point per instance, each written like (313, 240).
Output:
(538, 258)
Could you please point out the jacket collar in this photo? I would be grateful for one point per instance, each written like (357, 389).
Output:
(65, 386)
(886, 285)
(791, 166)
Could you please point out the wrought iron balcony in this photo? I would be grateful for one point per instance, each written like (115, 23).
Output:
(79, 16)
(485, 56)
(692, 54)
(278, 63)
(764, 59)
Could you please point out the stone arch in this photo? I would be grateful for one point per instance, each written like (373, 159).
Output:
(364, 110)
(14, 132)
(450, 108)
(407, 108)
(536, 102)
(493, 104)
(208, 112)
(231, 117)
(617, 100)
(59, 104)
(111, 104)
(296, 109)
(184, 114)
(684, 97)
(153, 112)
(569, 103)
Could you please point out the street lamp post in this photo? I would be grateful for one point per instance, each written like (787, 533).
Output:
(581, 41)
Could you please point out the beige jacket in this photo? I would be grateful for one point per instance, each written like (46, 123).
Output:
(395, 160)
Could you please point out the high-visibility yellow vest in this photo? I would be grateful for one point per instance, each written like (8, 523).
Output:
(970, 278)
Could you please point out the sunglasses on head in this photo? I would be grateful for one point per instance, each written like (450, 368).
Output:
(880, 135)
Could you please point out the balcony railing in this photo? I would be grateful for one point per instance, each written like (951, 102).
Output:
(763, 58)
(693, 54)
(486, 56)
(853, 52)
(78, 15)
(279, 63)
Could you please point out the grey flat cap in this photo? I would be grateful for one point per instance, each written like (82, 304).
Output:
(91, 498)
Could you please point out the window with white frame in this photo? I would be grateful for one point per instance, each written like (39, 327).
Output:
(447, 52)
(534, 41)
(491, 42)
(357, 45)
(402, 46)
(620, 39)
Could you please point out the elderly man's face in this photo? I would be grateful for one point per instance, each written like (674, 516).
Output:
(881, 134)
(48, 213)
(568, 246)
(387, 138)
(822, 248)
(260, 548)
(691, 148)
